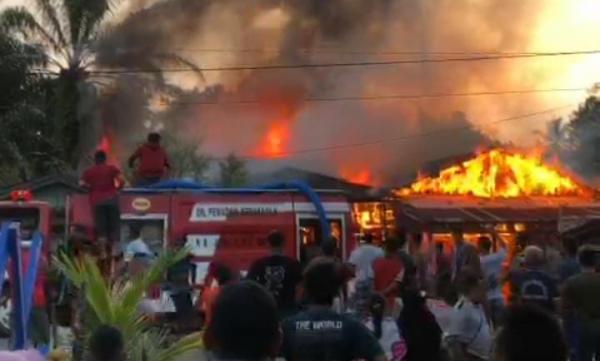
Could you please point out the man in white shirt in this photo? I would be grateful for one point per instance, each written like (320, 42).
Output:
(362, 260)
(469, 335)
(138, 246)
(491, 265)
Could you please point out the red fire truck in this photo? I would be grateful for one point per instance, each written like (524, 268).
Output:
(226, 225)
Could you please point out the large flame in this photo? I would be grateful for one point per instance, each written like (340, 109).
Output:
(275, 141)
(498, 173)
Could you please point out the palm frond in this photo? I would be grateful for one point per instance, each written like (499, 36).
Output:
(98, 294)
(180, 347)
(50, 16)
(18, 19)
(70, 267)
(156, 345)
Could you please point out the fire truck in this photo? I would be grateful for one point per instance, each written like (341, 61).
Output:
(225, 225)
(228, 225)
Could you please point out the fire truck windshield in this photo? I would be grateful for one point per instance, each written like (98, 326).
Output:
(20, 215)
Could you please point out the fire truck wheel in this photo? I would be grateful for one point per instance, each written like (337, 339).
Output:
(5, 310)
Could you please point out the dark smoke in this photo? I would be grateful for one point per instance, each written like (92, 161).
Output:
(211, 33)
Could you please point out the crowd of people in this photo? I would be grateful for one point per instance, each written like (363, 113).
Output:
(376, 306)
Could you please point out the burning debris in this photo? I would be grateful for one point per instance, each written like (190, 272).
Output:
(498, 173)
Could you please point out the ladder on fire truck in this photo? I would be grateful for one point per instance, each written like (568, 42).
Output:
(22, 283)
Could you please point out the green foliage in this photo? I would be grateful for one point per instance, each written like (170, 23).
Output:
(186, 159)
(116, 304)
(233, 171)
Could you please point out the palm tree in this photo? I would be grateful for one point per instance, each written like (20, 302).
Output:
(21, 116)
(72, 32)
(116, 304)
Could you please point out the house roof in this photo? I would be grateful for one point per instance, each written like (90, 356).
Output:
(38, 184)
(317, 181)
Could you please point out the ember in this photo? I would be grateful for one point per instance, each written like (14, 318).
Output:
(498, 174)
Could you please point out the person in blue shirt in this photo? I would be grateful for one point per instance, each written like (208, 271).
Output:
(531, 285)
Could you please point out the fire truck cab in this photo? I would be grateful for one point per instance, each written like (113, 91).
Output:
(227, 225)
(21, 208)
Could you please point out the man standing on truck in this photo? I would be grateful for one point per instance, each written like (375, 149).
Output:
(279, 274)
(103, 182)
(152, 162)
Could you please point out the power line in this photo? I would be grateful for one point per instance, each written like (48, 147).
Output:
(400, 139)
(347, 64)
(388, 97)
(342, 51)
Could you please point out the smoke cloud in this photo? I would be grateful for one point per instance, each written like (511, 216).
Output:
(264, 114)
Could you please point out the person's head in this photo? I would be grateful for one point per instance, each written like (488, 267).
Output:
(533, 257)
(457, 235)
(484, 244)
(322, 281)
(522, 240)
(26, 229)
(391, 246)
(154, 138)
(400, 239)
(571, 247)
(100, 157)
(329, 247)
(587, 258)
(106, 344)
(245, 323)
(530, 333)
(368, 238)
(439, 247)
(471, 286)
(276, 240)
(223, 274)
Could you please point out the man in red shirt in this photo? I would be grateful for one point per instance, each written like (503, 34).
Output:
(385, 271)
(103, 181)
(152, 161)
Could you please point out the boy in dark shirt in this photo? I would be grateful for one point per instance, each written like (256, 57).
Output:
(320, 334)
(279, 274)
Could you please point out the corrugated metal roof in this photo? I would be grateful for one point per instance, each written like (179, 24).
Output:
(453, 209)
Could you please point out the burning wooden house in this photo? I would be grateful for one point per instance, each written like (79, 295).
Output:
(510, 192)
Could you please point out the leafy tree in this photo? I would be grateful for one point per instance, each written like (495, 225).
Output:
(71, 34)
(578, 141)
(233, 171)
(186, 159)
